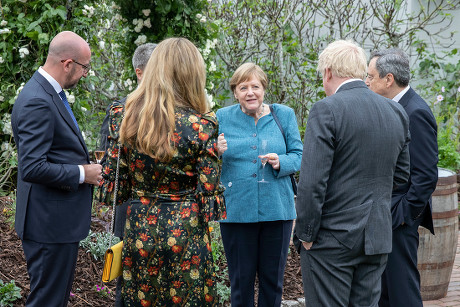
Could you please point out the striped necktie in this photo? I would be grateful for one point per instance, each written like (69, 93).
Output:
(67, 106)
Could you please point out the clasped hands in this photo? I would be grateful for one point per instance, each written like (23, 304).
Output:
(272, 158)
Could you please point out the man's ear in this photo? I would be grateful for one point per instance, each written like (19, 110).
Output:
(389, 80)
(139, 75)
(328, 74)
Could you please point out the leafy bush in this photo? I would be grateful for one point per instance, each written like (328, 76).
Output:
(97, 243)
(9, 293)
(220, 263)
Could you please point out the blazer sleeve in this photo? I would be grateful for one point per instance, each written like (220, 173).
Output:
(423, 150)
(317, 159)
(290, 162)
(35, 137)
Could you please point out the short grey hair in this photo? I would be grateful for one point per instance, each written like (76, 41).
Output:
(393, 61)
(142, 55)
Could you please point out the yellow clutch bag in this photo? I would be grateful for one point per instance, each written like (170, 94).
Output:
(112, 262)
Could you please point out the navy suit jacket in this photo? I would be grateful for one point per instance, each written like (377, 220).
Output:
(355, 152)
(51, 205)
(412, 201)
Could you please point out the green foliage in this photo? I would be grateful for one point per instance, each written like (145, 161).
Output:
(102, 291)
(9, 293)
(9, 209)
(97, 243)
(448, 146)
(220, 263)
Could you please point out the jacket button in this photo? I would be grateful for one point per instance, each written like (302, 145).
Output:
(254, 175)
(254, 135)
(254, 161)
(254, 147)
(230, 184)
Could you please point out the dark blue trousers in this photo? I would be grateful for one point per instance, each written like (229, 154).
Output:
(401, 279)
(51, 269)
(256, 248)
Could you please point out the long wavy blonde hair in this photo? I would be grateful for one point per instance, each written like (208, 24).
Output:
(175, 76)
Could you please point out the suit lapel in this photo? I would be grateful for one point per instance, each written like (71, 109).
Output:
(406, 97)
(61, 108)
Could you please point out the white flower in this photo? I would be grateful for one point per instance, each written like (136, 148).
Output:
(84, 109)
(443, 89)
(91, 73)
(1, 60)
(135, 21)
(71, 98)
(198, 16)
(211, 103)
(440, 98)
(102, 44)
(458, 90)
(20, 88)
(7, 124)
(88, 11)
(23, 1)
(139, 27)
(2, 98)
(147, 23)
(3, 23)
(107, 24)
(23, 52)
(146, 12)
(6, 30)
(141, 39)
(117, 17)
(203, 19)
(212, 67)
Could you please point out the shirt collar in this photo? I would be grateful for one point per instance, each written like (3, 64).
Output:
(57, 87)
(398, 97)
(347, 81)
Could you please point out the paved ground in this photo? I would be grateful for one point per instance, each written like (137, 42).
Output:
(453, 292)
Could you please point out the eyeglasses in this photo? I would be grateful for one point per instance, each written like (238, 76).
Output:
(86, 68)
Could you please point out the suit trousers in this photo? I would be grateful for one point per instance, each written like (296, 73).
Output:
(51, 269)
(256, 248)
(334, 275)
(401, 278)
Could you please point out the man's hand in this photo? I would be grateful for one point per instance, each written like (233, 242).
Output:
(93, 173)
(221, 144)
(307, 245)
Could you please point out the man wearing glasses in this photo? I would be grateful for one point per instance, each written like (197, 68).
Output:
(55, 177)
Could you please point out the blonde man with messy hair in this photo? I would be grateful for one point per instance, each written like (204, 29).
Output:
(345, 60)
(149, 121)
(355, 152)
(168, 160)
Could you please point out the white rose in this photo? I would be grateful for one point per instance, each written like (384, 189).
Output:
(6, 30)
(3, 23)
(1, 61)
(198, 16)
(141, 39)
(146, 12)
(71, 98)
(203, 19)
(147, 23)
(2, 98)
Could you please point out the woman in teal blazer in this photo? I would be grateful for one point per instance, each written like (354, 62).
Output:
(257, 231)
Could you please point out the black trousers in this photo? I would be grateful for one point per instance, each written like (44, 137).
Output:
(51, 269)
(401, 279)
(256, 248)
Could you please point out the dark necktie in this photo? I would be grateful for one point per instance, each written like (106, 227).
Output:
(67, 106)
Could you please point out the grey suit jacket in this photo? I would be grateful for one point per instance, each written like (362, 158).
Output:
(355, 152)
(51, 205)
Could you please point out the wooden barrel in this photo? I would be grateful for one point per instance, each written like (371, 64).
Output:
(436, 254)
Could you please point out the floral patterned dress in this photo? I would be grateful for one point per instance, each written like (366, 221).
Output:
(167, 257)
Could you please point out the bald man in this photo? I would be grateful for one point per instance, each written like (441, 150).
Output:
(55, 177)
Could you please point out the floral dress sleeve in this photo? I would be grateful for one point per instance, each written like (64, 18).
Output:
(109, 167)
(210, 190)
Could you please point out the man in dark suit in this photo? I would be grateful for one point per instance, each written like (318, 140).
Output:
(140, 58)
(389, 75)
(355, 151)
(55, 177)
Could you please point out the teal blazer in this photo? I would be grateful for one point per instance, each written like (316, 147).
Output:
(247, 200)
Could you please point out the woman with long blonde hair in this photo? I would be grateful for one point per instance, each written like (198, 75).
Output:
(169, 166)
